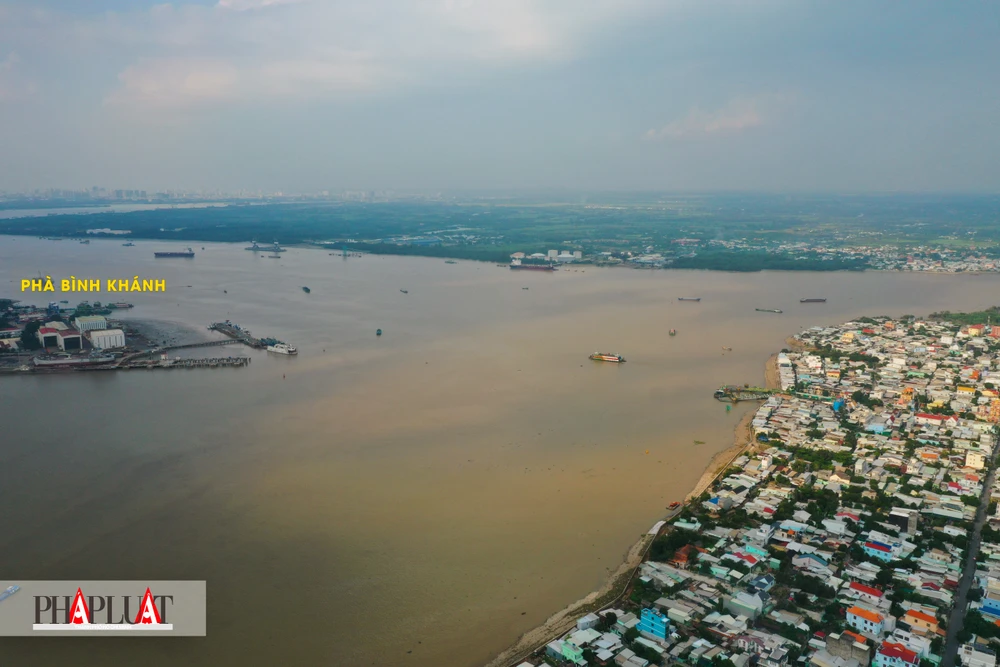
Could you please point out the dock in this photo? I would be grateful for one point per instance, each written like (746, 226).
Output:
(240, 335)
(218, 362)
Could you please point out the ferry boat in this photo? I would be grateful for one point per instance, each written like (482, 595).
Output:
(768, 310)
(282, 348)
(812, 300)
(689, 298)
(10, 590)
(189, 253)
(605, 356)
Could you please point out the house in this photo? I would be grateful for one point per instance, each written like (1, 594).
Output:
(747, 604)
(865, 621)
(654, 624)
(890, 654)
(587, 622)
(977, 656)
(920, 623)
(566, 651)
(879, 550)
(865, 593)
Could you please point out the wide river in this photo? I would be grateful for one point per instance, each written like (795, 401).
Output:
(416, 499)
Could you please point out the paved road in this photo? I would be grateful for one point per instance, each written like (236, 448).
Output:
(957, 618)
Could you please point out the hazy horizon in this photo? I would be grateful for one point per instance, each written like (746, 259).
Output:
(456, 95)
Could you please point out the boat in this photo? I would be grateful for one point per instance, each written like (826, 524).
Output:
(673, 332)
(306, 290)
(64, 301)
(768, 310)
(128, 245)
(689, 298)
(450, 261)
(378, 332)
(404, 291)
(673, 505)
(85, 242)
(71, 360)
(516, 265)
(812, 300)
(726, 349)
(524, 288)
(187, 253)
(282, 348)
(606, 356)
(120, 305)
(7, 592)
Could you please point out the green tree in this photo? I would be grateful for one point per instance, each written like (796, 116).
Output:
(29, 337)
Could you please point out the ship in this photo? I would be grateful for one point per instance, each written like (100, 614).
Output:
(605, 356)
(306, 290)
(516, 265)
(256, 248)
(673, 332)
(812, 300)
(10, 590)
(689, 298)
(187, 253)
(282, 348)
(768, 310)
(71, 360)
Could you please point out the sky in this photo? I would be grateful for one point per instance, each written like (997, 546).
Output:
(673, 95)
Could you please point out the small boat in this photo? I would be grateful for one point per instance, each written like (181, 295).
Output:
(607, 356)
(306, 290)
(85, 242)
(378, 332)
(673, 332)
(128, 245)
(727, 349)
(404, 291)
(768, 310)
(812, 300)
(673, 505)
(524, 288)
(689, 298)
(450, 261)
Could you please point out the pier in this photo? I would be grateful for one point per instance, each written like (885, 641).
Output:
(241, 335)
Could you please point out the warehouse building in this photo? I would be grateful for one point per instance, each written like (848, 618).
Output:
(104, 339)
(69, 340)
(91, 323)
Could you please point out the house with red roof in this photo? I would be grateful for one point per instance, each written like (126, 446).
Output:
(865, 593)
(890, 654)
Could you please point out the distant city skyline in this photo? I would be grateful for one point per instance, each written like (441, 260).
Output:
(459, 95)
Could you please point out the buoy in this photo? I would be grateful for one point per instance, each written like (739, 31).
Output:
(647, 451)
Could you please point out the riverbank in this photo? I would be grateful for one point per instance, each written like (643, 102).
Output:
(616, 586)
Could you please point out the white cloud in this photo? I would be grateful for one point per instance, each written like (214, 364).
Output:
(174, 83)
(739, 115)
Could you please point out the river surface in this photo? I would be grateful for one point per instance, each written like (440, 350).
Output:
(416, 499)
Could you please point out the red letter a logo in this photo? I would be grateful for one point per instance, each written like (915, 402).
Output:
(78, 612)
(148, 613)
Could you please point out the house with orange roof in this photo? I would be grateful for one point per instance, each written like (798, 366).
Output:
(920, 623)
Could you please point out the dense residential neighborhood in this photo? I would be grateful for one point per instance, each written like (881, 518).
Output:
(859, 528)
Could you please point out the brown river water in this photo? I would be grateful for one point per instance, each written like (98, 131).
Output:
(417, 499)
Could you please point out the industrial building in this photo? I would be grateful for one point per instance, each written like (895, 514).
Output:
(103, 339)
(90, 323)
(48, 336)
(69, 340)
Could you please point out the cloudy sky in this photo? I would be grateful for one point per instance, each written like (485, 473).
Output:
(506, 94)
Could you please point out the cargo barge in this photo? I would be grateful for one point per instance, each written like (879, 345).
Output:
(70, 360)
(689, 298)
(518, 266)
(768, 310)
(812, 300)
(189, 253)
